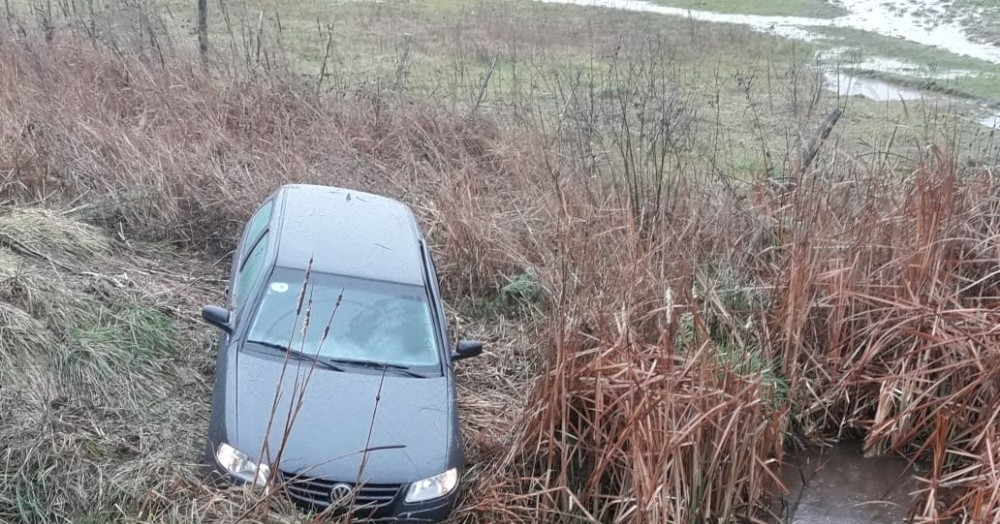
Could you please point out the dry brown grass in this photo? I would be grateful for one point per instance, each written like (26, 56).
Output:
(878, 318)
(684, 337)
(886, 314)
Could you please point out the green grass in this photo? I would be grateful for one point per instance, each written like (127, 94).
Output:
(522, 295)
(808, 8)
(108, 351)
(136, 335)
(97, 394)
(749, 362)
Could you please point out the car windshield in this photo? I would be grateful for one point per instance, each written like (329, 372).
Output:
(369, 321)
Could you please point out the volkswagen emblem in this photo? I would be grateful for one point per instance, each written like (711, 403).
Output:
(339, 494)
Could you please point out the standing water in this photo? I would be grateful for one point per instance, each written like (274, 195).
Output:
(841, 486)
(871, 88)
(914, 20)
(919, 21)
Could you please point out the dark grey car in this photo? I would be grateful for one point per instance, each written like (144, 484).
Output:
(334, 377)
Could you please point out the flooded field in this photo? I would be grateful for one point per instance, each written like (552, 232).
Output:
(913, 20)
(921, 22)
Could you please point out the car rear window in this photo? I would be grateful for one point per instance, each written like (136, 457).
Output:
(368, 320)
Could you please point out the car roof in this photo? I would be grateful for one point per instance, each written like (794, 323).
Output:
(349, 233)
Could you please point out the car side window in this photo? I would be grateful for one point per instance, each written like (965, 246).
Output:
(258, 222)
(250, 271)
(251, 234)
(435, 286)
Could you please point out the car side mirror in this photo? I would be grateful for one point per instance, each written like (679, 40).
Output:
(466, 349)
(218, 317)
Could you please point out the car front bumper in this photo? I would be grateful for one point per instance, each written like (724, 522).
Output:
(393, 508)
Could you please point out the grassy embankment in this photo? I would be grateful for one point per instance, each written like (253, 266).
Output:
(665, 314)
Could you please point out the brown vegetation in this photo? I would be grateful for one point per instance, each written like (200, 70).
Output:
(659, 336)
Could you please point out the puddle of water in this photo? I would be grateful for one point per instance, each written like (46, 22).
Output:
(889, 65)
(907, 19)
(992, 121)
(786, 26)
(878, 90)
(842, 56)
(840, 486)
(914, 20)
(917, 21)
(952, 74)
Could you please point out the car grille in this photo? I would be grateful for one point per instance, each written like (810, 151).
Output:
(318, 492)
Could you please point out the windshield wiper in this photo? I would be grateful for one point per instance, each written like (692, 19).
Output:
(300, 356)
(396, 368)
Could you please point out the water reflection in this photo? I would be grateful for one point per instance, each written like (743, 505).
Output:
(878, 90)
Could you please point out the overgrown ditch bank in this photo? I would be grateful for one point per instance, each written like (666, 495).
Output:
(658, 336)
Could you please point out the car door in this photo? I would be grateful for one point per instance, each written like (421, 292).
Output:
(248, 264)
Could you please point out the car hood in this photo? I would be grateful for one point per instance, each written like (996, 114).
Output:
(410, 420)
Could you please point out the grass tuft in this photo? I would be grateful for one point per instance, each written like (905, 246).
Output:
(51, 235)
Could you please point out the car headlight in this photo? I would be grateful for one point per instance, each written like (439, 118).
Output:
(433, 487)
(240, 466)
